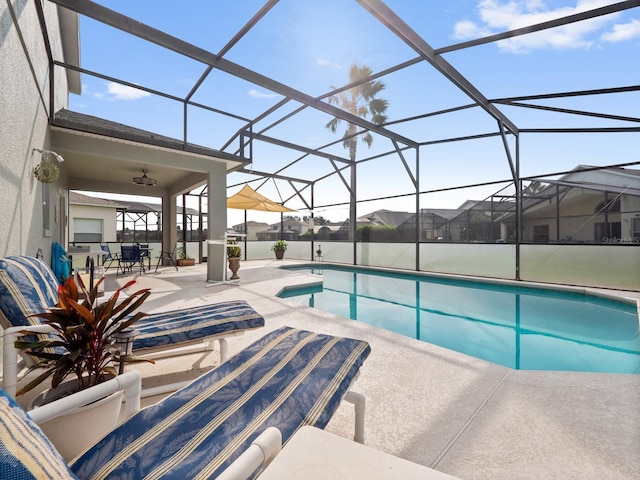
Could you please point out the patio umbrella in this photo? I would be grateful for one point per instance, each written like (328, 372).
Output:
(249, 199)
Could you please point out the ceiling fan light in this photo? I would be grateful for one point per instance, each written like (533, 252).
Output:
(144, 180)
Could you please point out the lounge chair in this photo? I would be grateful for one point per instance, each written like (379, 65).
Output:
(109, 257)
(171, 256)
(27, 286)
(287, 379)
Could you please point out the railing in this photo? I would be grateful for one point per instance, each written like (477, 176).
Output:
(603, 266)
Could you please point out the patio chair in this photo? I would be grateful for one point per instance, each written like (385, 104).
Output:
(28, 286)
(130, 257)
(109, 257)
(145, 253)
(171, 256)
(286, 380)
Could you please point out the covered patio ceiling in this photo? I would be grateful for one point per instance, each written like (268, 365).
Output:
(105, 156)
(487, 105)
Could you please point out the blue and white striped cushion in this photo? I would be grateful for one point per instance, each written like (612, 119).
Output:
(25, 453)
(165, 328)
(27, 286)
(287, 379)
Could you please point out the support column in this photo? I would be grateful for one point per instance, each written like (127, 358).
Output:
(169, 222)
(217, 215)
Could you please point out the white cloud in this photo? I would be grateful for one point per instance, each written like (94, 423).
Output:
(623, 31)
(115, 91)
(256, 94)
(467, 29)
(499, 16)
(326, 63)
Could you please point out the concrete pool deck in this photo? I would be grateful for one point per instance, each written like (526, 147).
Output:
(436, 407)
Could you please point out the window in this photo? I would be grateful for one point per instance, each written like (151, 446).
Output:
(612, 235)
(87, 230)
(541, 233)
(611, 206)
(428, 234)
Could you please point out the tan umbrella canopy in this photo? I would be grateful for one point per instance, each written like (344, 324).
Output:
(249, 199)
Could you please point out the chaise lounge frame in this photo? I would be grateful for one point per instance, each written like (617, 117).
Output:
(28, 286)
(231, 420)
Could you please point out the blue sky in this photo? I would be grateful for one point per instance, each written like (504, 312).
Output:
(309, 45)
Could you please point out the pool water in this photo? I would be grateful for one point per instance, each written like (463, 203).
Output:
(518, 327)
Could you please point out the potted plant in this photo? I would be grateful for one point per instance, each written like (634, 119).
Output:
(184, 260)
(82, 345)
(233, 255)
(279, 247)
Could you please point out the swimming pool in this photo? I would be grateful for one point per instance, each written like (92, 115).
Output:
(519, 327)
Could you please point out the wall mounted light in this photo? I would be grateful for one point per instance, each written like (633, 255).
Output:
(45, 171)
(45, 153)
(144, 180)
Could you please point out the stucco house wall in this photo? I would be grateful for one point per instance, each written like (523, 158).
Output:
(28, 206)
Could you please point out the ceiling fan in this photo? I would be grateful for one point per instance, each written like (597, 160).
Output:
(144, 180)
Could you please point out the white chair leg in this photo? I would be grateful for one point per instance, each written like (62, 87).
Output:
(359, 402)
(224, 349)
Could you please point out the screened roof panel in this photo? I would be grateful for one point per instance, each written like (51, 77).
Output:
(117, 54)
(207, 29)
(152, 113)
(265, 52)
(309, 131)
(310, 45)
(212, 129)
(434, 21)
(430, 92)
(226, 92)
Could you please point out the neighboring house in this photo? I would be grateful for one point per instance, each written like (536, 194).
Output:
(596, 206)
(593, 206)
(379, 218)
(252, 229)
(99, 220)
(435, 224)
(291, 230)
(142, 222)
(482, 220)
(384, 218)
(92, 219)
(326, 231)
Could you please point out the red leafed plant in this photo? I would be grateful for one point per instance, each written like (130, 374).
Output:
(83, 340)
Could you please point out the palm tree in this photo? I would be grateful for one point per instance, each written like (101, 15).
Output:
(359, 100)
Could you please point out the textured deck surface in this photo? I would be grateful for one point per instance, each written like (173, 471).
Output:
(439, 408)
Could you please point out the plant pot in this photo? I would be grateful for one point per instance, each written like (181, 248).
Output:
(279, 254)
(186, 262)
(73, 432)
(234, 266)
